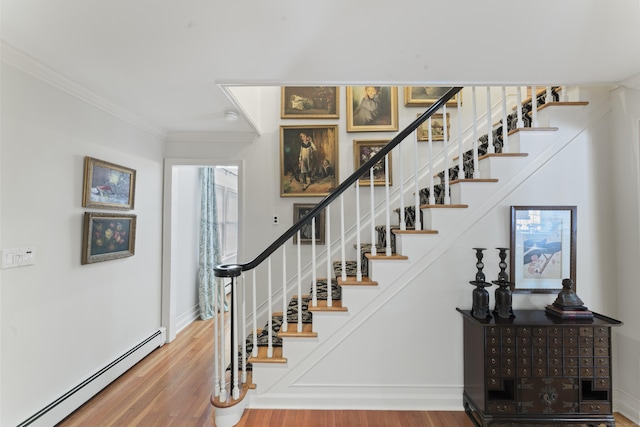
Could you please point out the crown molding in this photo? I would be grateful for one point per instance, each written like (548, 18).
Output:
(213, 137)
(18, 59)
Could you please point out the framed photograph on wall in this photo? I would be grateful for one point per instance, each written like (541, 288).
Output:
(306, 236)
(107, 185)
(363, 151)
(308, 160)
(107, 236)
(437, 128)
(543, 248)
(310, 102)
(372, 108)
(426, 96)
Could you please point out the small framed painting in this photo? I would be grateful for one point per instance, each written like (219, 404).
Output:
(107, 185)
(426, 96)
(310, 102)
(363, 151)
(543, 248)
(306, 233)
(107, 236)
(372, 108)
(437, 128)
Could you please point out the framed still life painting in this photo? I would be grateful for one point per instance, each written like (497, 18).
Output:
(308, 160)
(107, 185)
(310, 102)
(363, 151)
(372, 108)
(107, 236)
(543, 248)
(426, 96)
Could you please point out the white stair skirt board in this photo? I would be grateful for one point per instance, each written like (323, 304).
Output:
(228, 417)
(63, 406)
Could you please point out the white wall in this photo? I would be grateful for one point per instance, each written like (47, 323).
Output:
(624, 213)
(62, 321)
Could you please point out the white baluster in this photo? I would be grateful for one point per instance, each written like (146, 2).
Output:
(358, 248)
(299, 328)
(432, 196)
(314, 276)
(254, 349)
(235, 386)
(416, 178)
(387, 204)
(534, 107)
(548, 96)
(505, 124)
(565, 95)
(373, 214)
(403, 221)
(216, 351)
(474, 118)
(461, 174)
(329, 263)
(244, 328)
(223, 341)
(520, 123)
(343, 239)
(285, 323)
(490, 147)
(270, 311)
(445, 150)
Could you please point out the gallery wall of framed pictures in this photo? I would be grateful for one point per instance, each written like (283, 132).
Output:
(108, 236)
(310, 151)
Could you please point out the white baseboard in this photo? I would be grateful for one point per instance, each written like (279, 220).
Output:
(76, 397)
(188, 317)
(627, 405)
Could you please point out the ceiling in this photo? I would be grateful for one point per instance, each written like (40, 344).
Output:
(167, 62)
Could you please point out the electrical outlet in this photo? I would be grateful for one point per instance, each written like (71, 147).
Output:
(276, 220)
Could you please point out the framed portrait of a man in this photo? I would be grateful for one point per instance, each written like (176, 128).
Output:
(308, 160)
(372, 108)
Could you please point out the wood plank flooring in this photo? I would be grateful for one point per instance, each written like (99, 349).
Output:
(171, 388)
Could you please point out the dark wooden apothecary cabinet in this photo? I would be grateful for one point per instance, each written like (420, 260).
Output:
(535, 368)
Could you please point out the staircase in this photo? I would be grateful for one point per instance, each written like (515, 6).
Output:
(353, 332)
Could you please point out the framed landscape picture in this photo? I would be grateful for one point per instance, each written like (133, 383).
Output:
(372, 108)
(437, 128)
(107, 185)
(310, 102)
(363, 151)
(308, 160)
(306, 233)
(543, 248)
(426, 96)
(107, 236)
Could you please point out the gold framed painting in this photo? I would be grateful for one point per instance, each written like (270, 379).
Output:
(108, 236)
(107, 185)
(426, 96)
(372, 108)
(308, 160)
(363, 151)
(306, 233)
(437, 128)
(310, 102)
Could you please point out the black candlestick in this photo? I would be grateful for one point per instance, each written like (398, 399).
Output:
(480, 306)
(503, 293)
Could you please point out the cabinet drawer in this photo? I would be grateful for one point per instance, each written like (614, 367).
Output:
(540, 332)
(524, 331)
(586, 351)
(570, 341)
(570, 361)
(586, 331)
(539, 340)
(602, 372)
(508, 340)
(601, 331)
(493, 384)
(554, 331)
(602, 362)
(595, 408)
(601, 341)
(601, 351)
(501, 408)
(539, 362)
(555, 341)
(540, 372)
(570, 331)
(571, 372)
(539, 352)
(586, 372)
(555, 371)
(586, 362)
(601, 384)
(586, 341)
(571, 351)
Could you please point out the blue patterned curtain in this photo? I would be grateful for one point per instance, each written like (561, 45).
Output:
(209, 252)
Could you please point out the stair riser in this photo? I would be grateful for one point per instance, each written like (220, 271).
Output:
(502, 168)
(359, 296)
(557, 116)
(472, 193)
(413, 245)
(530, 142)
(386, 270)
(442, 218)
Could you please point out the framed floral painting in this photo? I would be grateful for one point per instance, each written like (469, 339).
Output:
(363, 151)
(107, 236)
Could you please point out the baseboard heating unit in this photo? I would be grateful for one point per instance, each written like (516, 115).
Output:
(60, 408)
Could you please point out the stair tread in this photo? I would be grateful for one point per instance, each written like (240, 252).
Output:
(292, 331)
(383, 256)
(336, 305)
(485, 156)
(352, 281)
(562, 103)
(443, 206)
(262, 356)
(246, 386)
(455, 181)
(398, 231)
(532, 129)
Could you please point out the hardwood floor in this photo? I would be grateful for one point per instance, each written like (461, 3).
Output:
(171, 388)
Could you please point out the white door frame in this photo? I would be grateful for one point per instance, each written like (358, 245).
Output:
(168, 306)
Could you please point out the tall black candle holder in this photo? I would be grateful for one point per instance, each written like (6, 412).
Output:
(480, 306)
(503, 294)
